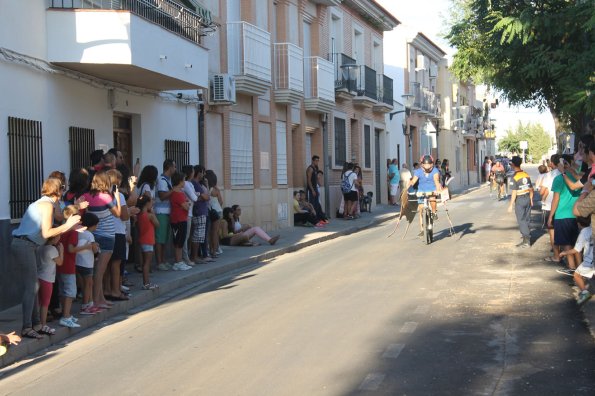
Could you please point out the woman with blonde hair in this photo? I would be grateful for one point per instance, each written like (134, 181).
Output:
(35, 229)
(104, 202)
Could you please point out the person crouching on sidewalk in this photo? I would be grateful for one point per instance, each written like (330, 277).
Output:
(584, 245)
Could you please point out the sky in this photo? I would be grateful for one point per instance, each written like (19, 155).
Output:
(430, 17)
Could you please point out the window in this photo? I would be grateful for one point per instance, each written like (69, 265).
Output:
(82, 143)
(178, 151)
(26, 164)
(281, 152)
(367, 147)
(340, 142)
(336, 34)
(241, 149)
(358, 46)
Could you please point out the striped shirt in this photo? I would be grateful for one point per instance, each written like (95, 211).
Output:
(100, 206)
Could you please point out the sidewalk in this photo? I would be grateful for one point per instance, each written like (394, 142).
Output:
(233, 258)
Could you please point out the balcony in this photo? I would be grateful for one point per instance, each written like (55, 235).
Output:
(367, 89)
(249, 57)
(385, 94)
(289, 73)
(319, 96)
(152, 45)
(346, 72)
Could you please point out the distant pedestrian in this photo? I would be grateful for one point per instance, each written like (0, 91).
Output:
(522, 200)
(313, 193)
(394, 177)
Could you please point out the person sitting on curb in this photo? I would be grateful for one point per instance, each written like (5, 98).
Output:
(584, 245)
(248, 230)
(307, 206)
(301, 216)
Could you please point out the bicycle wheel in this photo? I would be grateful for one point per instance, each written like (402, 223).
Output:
(428, 225)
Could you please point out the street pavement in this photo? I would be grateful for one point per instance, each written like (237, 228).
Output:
(469, 314)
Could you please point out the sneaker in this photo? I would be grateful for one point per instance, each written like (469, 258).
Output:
(68, 322)
(565, 271)
(320, 224)
(583, 297)
(150, 286)
(124, 288)
(163, 267)
(180, 266)
(219, 251)
(189, 263)
(75, 320)
(308, 224)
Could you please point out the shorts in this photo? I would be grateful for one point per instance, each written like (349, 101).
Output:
(45, 293)
(67, 285)
(394, 189)
(546, 216)
(106, 243)
(146, 248)
(199, 224)
(178, 231)
(162, 232)
(586, 271)
(119, 252)
(350, 196)
(84, 271)
(565, 232)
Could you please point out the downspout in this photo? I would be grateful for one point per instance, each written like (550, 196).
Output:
(327, 162)
(201, 131)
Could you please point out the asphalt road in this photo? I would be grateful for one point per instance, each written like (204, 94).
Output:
(363, 314)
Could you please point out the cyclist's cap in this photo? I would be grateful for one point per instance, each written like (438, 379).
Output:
(517, 161)
(426, 159)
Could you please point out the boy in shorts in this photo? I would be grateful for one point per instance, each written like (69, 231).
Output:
(585, 270)
(85, 250)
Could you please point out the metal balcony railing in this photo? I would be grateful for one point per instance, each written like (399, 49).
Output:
(289, 67)
(367, 83)
(249, 50)
(318, 79)
(345, 72)
(385, 89)
(416, 92)
(165, 13)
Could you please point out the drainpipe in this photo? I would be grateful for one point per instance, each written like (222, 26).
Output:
(327, 162)
(201, 131)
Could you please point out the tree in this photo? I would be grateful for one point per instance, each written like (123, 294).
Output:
(538, 140)
(534, 52)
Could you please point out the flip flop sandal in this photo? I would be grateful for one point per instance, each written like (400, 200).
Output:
(47, 330)
(551, 260)
(30, 333)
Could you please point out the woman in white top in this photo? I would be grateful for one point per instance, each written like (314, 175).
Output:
(216, 204)
(188, 171)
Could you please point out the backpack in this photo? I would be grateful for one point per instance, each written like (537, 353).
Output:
(345, 185)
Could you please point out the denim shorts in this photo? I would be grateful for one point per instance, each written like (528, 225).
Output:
(84, 271)
(146, 248)
(106, 243)
(67, 285)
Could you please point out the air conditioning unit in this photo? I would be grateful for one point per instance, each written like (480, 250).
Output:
(223, 89)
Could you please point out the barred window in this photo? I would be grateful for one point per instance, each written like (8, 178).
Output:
(178, 151)
(281, 152)
(241, 149)
(367, 147)
(25, 162)
(82, 144)
(340, 142)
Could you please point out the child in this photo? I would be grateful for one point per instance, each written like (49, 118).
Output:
(66, 272)
(178, 219)
(146, 224)
(85, 250)
(584, 244)
(51, 255)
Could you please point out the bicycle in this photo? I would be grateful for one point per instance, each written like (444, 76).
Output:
(427, 218)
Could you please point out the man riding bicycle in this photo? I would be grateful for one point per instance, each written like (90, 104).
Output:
(429, 183)
(499, 177)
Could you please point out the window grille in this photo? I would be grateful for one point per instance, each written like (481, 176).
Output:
(241, 149)
(82, 144)
(281, 152)
(340, 142)
(26, 164)
(367, 147)
(178, 151)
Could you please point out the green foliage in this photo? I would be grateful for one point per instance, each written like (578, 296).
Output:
(538, 140)
(536, 53)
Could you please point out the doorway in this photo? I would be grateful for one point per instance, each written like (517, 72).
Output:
(123, 137)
